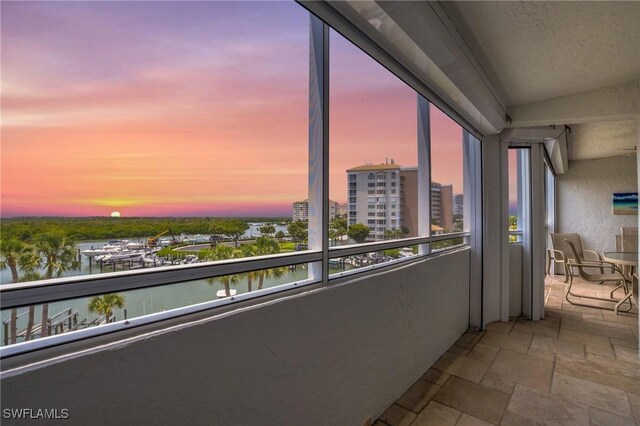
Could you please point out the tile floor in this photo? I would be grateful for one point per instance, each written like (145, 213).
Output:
(578, 366)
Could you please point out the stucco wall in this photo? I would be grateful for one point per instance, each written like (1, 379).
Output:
(333, 356)
(584, 199)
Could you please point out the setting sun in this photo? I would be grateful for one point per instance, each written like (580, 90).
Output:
(115, 214)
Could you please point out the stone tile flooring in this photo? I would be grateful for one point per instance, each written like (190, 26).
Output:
(578, 366)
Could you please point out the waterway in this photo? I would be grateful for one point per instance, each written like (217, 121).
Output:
(156, 299)
(88, 269)
(150, 300)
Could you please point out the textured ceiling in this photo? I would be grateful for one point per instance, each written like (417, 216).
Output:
(602, 139)
(534, 51)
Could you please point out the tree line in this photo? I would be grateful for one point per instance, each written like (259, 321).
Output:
(102, 228)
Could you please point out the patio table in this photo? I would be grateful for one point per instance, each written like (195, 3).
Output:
(626, 261)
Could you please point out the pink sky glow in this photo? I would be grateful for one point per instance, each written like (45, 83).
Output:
(194, 112)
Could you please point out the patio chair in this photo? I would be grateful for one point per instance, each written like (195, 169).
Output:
(629, 243)
(629, 238)
(560, 252)
(582, 267)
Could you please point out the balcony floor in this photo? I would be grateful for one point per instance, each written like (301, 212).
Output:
(578, 366)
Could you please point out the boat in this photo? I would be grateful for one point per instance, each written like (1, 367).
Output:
(223, 293)
(406, 252)
(109, 248)
(165, 242)
(121, 255)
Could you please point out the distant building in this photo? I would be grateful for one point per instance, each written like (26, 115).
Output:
(409, 200)
(301, 210)
(341, 210)
(385, 197)
(442, 205)
(446, 207)
(458, 204)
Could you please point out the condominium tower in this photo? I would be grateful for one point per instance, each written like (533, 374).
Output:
(301, 210)
(385, 197)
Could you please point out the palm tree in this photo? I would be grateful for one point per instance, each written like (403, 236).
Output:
(17, 255)
(10, 252)
(103, 305)
(271, 273)
(59, 254)
(223, 252)
(31, 276)
(250, 250)
(266, 246)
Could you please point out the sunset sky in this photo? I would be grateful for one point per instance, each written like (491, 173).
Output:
(190, 109)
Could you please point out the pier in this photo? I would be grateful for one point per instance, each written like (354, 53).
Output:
(62, 322)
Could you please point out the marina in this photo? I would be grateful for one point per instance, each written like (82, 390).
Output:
(102, 256)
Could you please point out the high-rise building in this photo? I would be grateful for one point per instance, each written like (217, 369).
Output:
(442, 205)
(446, 207)
(340, 210)
(436, 203)
(458, 204)
(374, 197)
(301, 210)
(409, 200)
(385, 197)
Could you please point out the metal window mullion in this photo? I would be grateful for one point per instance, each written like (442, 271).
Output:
(424, 173)
(318, 225)
(325, 154)
(472, 216)
(524, 224)
(538, 207)
(504, 233)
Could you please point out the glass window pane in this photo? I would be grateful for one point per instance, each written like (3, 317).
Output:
(25, 323)
(130, 141)
(513, 194)
(342, 265)
(373, 141)
(447, 177)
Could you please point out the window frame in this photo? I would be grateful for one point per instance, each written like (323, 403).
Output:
(317, 257)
